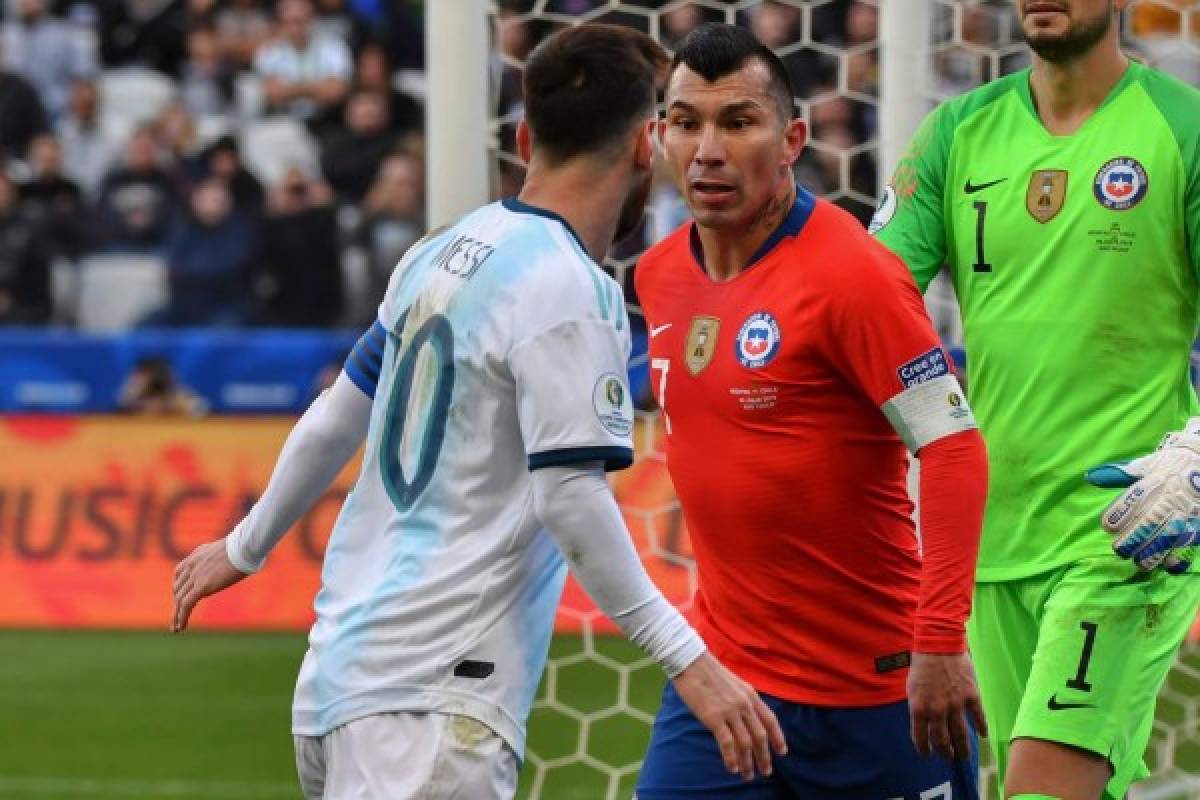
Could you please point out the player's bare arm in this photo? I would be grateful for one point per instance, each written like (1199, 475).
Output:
(317, 449)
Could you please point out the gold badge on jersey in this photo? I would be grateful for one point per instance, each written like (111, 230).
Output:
(1046, 193)
(701, 343)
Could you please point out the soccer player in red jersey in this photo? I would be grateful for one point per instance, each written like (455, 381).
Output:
(795, 366)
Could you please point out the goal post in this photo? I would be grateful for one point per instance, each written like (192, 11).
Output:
(457, 108)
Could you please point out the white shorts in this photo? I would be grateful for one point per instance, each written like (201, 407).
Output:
(407, 756)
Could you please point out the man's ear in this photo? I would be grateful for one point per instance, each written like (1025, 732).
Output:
(524, 141)
(643, 155)
(796, 136)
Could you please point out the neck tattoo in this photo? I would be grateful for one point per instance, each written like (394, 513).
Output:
(773, 212)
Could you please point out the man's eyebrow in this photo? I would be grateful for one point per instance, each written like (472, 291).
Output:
(731, 108)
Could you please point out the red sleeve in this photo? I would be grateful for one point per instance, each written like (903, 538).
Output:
(954, 478)
(878, 332)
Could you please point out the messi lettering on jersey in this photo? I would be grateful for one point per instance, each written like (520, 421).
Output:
(463, 256)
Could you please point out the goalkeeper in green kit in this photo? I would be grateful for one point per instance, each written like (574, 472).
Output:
(1066, 201)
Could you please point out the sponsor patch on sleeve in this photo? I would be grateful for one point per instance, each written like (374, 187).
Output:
(923, 368)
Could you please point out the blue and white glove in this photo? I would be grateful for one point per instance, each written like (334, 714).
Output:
(1157, 518)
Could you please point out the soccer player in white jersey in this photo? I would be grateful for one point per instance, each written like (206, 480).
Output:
(492, 395)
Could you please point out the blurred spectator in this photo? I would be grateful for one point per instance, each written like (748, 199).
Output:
(24, 264)
(209, 253)
(299, 282)
(678, 23)
(393, 218)
(351, 157)
(177, 134)
(373, 70)
(206, 80)
(514, 41)
(146, 33)
(242, 27)
(53, 201)
(777, 26)
(223, 160)
(335, 20)
(404, 34)
(137, 199)
(50, 52)
(862, 64)
(303, 73)
(152, 389)
(87, 153)
(21, 114)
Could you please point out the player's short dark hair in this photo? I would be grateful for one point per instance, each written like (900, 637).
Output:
(586, 86)
(714, 50)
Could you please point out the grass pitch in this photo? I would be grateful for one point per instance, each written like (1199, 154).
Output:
(116, 715)
(90, 715)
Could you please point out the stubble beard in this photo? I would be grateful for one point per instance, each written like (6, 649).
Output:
(1076, 42)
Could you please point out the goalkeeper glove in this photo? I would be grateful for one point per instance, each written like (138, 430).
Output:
(1157, 518)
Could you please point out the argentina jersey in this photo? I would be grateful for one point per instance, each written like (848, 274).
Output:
(500, 348)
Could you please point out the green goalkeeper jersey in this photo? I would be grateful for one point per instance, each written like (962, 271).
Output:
(1075, 261)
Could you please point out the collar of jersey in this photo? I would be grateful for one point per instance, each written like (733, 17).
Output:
(519, 207)
(791, 225)
(1132, 71)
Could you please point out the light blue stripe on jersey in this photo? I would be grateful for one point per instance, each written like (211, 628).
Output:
(366, 359)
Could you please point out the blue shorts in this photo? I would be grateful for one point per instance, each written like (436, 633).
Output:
(833, 754)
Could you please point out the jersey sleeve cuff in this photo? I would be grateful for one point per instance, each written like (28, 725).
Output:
(233, 551)
(614, 458)
(940, 643)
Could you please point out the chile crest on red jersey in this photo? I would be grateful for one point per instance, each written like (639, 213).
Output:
(758, 340)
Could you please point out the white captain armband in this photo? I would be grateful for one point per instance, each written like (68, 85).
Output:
(928, 411)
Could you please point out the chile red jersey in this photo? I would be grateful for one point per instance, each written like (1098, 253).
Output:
(791, 478)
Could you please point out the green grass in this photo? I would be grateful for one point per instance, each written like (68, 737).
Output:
(114, 715)
(111, 716)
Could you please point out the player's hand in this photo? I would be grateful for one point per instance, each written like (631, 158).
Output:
(942, 693)
(745, 729)
(1157, 518)
(205, 571)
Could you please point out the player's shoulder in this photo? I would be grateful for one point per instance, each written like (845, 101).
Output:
(854, 260)
(1167, 88)
(963, 107)
(545, 268)
(943, 125)
(1177, 102)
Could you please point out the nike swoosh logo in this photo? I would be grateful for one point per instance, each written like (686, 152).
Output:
(1054, 705)
(972, 188)
(656, 331)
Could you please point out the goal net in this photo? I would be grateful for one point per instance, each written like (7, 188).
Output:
(591, 721)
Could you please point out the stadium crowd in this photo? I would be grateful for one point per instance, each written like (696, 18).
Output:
(269, 153)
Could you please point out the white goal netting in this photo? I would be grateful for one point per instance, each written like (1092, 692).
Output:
(591, 721)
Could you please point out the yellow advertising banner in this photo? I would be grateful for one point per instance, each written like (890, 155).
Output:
(96, 512)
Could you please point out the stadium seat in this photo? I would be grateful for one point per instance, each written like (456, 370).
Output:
(117, 291)
(130, 96)
(269, 146)
(64, 291)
